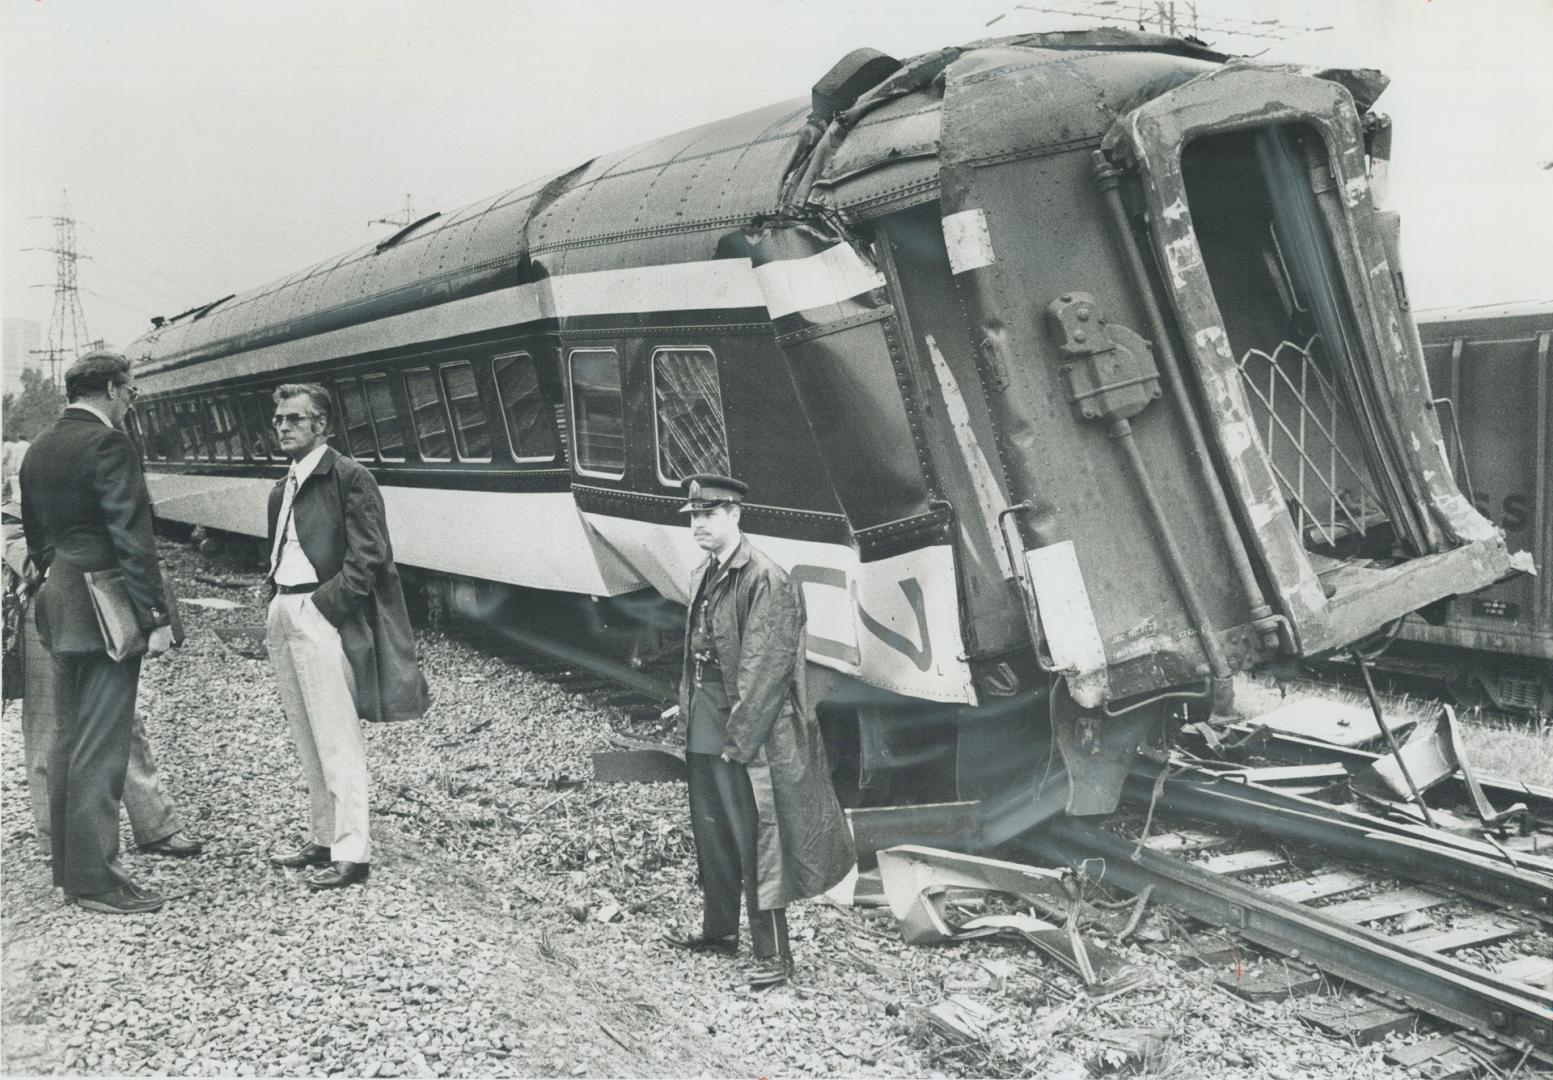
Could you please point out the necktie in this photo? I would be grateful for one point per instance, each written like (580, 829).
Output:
(286, 500)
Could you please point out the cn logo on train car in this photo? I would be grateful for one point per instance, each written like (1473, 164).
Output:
(1070, 372)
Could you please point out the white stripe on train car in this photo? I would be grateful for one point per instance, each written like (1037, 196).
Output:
(534, 539)
(833, 275)
(838, 273)
(894, 623)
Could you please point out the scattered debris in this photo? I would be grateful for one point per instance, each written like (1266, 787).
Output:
(922, 884)
(1433, 753)
(1125, 1051)
(1327, 721)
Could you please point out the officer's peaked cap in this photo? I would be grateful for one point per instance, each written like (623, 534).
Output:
(707, 490)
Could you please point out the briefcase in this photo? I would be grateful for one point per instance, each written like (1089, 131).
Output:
(115, 612)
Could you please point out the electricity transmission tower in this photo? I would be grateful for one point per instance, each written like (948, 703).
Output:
(399, 220)
(67, 325)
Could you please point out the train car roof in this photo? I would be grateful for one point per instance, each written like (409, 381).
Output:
(1513, 309)
(674, 198)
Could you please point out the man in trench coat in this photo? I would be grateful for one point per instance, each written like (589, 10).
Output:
(762, 810)
(338, 631)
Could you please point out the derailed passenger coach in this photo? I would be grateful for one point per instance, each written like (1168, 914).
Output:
(1069, 372)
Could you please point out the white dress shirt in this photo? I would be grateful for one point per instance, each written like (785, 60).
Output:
(292, 566)
(93, 409)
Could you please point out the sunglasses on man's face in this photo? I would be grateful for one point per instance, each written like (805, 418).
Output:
(291, 419)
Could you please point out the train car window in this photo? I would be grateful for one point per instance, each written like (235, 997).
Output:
(191, 434)
(458, 382)
(429, 414)
(598, 412)
(271, 436)
(353, 420)
(385, 417)
(256, 418)
(688, 414)
(132, 426)
(167, 428)
(530, 425)
(226, 438)
(144, 419)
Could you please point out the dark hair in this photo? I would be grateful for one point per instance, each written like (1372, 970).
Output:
(312, 391)
(94, 373)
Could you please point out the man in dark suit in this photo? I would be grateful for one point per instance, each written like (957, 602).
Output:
(338, 631)
(84, 509)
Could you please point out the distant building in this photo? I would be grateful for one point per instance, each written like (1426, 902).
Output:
(22, 338)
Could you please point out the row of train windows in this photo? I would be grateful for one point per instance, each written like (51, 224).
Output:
(448, 415)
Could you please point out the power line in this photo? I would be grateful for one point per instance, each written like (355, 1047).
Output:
(1178, 19)
(187, 290)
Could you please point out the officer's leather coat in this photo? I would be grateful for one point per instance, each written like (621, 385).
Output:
(804, 845)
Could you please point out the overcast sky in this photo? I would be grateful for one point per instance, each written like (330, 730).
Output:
(210, 147)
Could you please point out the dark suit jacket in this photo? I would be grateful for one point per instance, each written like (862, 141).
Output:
(344, 534)
(85, 507)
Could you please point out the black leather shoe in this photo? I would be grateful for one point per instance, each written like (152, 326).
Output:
(125, 900)
(177, 845)
(307, 855)
(770, 971)
(701, 943)
(339, 874)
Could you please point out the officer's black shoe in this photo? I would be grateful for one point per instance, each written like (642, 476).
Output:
(701, 943)
(769, 971)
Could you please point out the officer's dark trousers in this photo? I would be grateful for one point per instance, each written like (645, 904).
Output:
(723, 820)
(95, 702)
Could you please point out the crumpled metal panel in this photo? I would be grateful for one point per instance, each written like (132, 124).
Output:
(890, 159)
(1469, 551)
(1078, 95)
(1019, 129)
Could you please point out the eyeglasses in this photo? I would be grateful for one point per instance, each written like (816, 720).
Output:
(291, 419)
(131, 389)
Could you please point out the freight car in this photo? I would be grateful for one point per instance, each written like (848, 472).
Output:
(1069, 371)
(1493, 381)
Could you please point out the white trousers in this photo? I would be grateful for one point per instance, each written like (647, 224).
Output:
(316, 692)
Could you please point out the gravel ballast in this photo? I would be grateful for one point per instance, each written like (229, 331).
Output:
(512, 920)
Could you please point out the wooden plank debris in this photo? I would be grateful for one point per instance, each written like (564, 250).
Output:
(1294, 774)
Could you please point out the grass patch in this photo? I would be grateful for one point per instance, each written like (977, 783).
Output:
(1503, 750)
(1509, 751)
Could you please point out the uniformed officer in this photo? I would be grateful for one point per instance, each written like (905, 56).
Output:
(762, 810)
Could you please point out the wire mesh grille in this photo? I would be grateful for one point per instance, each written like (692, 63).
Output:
(1310, 442)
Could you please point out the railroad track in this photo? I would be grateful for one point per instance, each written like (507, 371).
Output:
(1425, 929)
(1450, 927)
